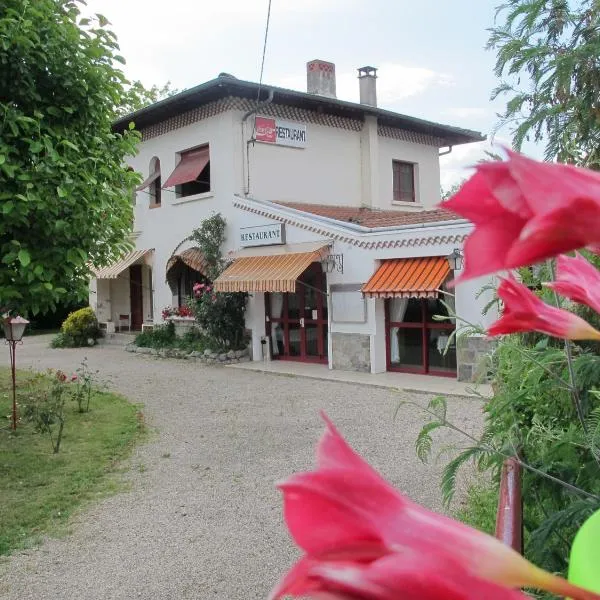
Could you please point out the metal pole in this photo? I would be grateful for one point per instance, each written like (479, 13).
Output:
(12, 348)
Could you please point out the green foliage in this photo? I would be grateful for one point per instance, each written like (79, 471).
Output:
(45, 408)
(138, 96)
(82, 387)
(532, 415)
(210, 237)
(547, 51)
(40, 489)
(79, 329)
(479, 508)
(65, 191)
(219, 315)
(163, 337)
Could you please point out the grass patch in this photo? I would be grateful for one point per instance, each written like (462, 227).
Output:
(479, 508)
(41, 490)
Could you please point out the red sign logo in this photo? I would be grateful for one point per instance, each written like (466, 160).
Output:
(265, 130)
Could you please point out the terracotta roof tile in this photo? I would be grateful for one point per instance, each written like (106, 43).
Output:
(368, 217)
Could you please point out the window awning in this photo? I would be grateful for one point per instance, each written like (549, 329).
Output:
(267, 273)
(150, 179)
(408, 278)
(190, 166)
(115, 269)
(192, 257)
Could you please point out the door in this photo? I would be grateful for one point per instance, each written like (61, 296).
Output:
(136, 297)
(297, 323)
(416, 341)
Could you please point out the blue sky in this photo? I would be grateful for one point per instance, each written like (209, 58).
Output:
(430, 53)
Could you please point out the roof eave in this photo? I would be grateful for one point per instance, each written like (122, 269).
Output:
(228, 86)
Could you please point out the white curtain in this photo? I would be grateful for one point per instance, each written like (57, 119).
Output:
(398, 308)
(276, 332)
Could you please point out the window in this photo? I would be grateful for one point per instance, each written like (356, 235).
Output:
(192, 173)
(155, 187)
(404, 181)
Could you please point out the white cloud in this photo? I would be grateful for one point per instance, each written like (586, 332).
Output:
(394, 82)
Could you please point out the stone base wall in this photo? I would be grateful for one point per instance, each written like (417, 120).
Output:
(471, 357)
(351, 351)
(207, 357)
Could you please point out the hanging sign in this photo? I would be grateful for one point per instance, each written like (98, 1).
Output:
(262, 235)
(280, 133)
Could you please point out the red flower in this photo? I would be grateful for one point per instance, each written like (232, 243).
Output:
(525, 211)
(578, 280)
(73, 377)
(524, 311)
(362, 539)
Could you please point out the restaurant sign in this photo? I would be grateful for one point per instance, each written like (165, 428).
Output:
(280, 133)
(262, 235)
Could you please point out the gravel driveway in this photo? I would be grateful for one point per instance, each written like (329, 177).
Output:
(202, 518)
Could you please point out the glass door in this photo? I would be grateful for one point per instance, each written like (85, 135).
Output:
(297, 323)
(416, 343)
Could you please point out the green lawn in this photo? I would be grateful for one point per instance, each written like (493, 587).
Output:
(40, 490)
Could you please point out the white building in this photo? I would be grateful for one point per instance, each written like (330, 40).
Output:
(331, 223)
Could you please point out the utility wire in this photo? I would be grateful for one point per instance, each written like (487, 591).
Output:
(264, 53)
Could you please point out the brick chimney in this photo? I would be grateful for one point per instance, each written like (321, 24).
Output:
(367, 78)
(320, 78)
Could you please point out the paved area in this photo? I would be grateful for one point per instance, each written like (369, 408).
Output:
(202, 518)
(407, 382)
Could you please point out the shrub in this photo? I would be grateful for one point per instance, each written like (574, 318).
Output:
(162, 336)
(80, 328)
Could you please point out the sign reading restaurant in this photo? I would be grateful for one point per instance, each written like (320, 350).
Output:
(262, 235)
(281, 133)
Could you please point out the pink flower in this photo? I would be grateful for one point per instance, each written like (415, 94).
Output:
(73, 377)
(362, 539)
(578, 280)
(525, 211)
(524, 311)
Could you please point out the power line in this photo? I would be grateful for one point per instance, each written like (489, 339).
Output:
(264, 53)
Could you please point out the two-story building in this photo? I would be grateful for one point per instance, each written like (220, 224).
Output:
(331, 223)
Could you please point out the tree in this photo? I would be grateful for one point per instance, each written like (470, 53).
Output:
(65, 191)
(139, 96)
(550, 51)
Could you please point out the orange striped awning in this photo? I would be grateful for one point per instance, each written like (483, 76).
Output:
(113, 270)
(408, 278)
(192, 257)
(271, 273)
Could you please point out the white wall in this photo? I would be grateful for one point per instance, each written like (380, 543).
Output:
(326, 171)
(427, 172)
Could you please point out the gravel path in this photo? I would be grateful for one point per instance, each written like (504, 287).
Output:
(202, 518)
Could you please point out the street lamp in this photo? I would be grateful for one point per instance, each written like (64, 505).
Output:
(455, 260)
(14, 328)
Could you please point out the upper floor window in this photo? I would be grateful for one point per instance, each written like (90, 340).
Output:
(152, 184)
(155, 186)
(404, 181)
(192, 173)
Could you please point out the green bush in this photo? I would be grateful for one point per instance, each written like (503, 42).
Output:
(80, 328)
(163, 336)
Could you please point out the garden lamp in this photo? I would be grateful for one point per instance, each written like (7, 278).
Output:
(455, 260)
(14, 328)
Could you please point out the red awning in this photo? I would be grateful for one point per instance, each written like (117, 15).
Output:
(190, 166)
(150, 179)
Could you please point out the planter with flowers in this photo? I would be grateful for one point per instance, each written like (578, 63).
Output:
(182, 318)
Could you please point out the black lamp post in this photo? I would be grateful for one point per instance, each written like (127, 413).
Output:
(456, 259)
(14, 328)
